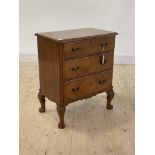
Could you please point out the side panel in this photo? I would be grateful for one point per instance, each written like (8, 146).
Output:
(49, 68)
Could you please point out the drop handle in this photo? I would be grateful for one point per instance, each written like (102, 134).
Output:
(103, 45)
(75, 49)
(75, 68)
(101, 82)
(75, 89)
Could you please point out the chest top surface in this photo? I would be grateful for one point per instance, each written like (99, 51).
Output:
(74, 34)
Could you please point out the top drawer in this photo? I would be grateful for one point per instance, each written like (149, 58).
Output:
(88, 47)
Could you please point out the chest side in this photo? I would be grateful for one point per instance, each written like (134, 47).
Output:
(49, 68)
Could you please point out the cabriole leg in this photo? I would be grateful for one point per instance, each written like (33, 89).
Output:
(42, 102)
(61, 112)
(110, 96)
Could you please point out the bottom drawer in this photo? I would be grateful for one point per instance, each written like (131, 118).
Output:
(87, 86)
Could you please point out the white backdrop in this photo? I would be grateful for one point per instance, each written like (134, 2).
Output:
(52, 15)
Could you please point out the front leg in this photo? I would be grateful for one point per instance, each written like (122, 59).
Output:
(42, 102)
(61, 112)
(110, 96)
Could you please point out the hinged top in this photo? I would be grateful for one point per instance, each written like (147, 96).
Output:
(75, 34)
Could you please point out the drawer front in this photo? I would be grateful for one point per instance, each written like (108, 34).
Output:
(87, 47)
(87, 65)
(87, 86)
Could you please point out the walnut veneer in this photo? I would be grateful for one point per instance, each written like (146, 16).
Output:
(74, 65)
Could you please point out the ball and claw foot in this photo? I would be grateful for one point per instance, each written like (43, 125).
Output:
(110, 96)
(61, 112)
(42, 102)
(109, 106)
(61, 125)
(41, 110)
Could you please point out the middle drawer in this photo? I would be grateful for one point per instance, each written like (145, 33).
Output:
(87, 65)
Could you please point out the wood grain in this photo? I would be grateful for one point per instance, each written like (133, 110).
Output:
(87, 86)
(91, 129)
(75, 34)
(49, 69)
(87, 65)
(56, 47)
(81, 48)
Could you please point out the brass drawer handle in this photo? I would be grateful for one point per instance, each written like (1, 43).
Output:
(75, 89)
(75, 68)
(75, 49)
(101, 82)
(103, 45)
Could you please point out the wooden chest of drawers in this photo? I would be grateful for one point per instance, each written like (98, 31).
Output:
(74, 65)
